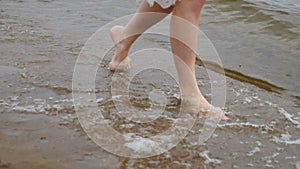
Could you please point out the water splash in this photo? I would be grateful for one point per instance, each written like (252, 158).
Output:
(289, 117)
(208, 159)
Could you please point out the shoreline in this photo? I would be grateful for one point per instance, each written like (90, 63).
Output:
(38, 123)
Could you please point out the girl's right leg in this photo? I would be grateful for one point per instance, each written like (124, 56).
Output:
(124, 37)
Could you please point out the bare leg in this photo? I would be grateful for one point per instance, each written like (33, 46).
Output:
(139, 23)
(183, 46)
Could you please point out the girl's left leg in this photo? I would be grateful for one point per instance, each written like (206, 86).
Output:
(184, 39)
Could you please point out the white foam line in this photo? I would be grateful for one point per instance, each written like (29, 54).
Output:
(27, 109)
(247, 124)
(286, 141)
(289, 117)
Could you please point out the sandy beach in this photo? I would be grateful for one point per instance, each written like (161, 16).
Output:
(258, 44)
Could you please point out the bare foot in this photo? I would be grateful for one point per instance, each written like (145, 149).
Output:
(214, 112)
(209, 110)
(120, 59)
(197, 103)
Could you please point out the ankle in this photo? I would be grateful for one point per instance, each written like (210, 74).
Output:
(190, 97)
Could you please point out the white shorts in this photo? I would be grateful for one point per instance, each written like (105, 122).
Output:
(162, 3)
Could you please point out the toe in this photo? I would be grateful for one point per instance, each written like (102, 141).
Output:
(224, 118)
(111, 66)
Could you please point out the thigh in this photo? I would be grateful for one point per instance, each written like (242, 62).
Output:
(189, 5)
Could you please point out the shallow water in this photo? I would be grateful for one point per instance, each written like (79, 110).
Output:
(257, 42)
(289, 6)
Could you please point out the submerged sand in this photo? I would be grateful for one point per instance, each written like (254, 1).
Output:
(40, 42)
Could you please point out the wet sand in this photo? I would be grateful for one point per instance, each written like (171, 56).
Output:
(40, 42)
